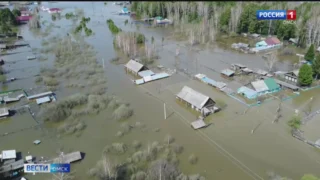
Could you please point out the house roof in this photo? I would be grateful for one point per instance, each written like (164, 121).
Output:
(259, 86)
(271, 84)
(272, 41)
(193, 97)
(296, 72)
(249, 93)
(227, 72)
(134, 66)
(9, 154)
(4, 112)
(145, 73)
(43, 100)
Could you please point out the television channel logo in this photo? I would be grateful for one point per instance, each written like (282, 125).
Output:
(276, 14)
(46, 168)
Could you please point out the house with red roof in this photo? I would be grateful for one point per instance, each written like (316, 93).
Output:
(269, 42)
(22, 19)
(54, 10)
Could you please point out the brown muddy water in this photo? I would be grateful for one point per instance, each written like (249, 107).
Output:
(226, 150)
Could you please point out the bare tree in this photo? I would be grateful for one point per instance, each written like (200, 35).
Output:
(62, 176)
(104, 169)
(162, 170)
(308, 108)
(271, 59)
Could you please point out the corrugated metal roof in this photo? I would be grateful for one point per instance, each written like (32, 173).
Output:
(214, 83)
(4, 112)
(193, 97)
(40, 95)
(260, 86)
(160, 76)
(249, 93)
(272, 41)
(134, 66)
(271, 84)
(287, 85)
(198, 124)
(147, 78)
(200, 76)
(9, 154)
(43, 100)
(145, 73)
(139, 81)
(227, 72)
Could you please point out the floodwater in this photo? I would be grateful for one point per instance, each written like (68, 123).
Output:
(226, 150)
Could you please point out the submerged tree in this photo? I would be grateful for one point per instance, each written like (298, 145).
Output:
(295, 122)
(34, 22)
(271, 59)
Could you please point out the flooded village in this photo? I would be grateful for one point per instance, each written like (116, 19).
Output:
(101, 86)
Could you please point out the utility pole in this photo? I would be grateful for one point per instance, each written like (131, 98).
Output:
(165, 111)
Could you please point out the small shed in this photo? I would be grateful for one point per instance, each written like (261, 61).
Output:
(261, 72)
(236, 67)
(227, 72)
(255, 35)
(246, 71)
(4, 112)
(135, 67)
(9, 154)
(43, 100)
(198, 124)
(28, 158)
(3, 46)
(247, 92)
(261, 44)
(293, 40)
(36, 142)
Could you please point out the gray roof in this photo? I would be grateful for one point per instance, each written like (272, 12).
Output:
(287, 85)
(43, 100)
(198, 124)
(260, 86)
(193, 97)
(134, 66)
(261, 72)
(227, 72)
(4, 112)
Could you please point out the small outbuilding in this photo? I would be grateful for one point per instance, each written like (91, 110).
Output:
(227, 72)
(4, 112)
(198, 124)
(135, 67)
(36, 142)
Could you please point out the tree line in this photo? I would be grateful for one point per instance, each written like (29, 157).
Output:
(239, 17)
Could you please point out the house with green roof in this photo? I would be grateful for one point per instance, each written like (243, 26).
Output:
(272, 85)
